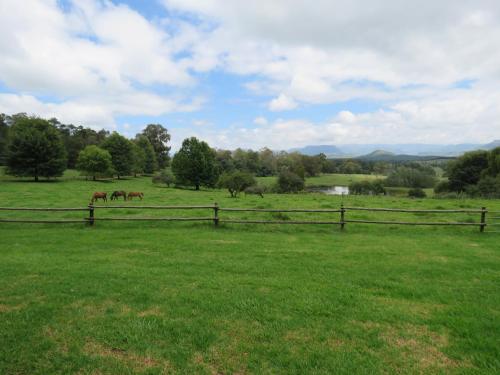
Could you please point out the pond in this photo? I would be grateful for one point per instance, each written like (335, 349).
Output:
(330, 190)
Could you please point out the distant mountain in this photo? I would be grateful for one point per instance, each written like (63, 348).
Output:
(491, 145)
(328, 150)
(381, 155)
(378, 154)
(402, 150)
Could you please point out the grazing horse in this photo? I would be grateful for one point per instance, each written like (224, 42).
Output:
(135, 194)
(99, 195)
(117, 194)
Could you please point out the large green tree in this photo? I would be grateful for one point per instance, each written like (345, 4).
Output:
(122, 153)
(159, 137)
(35, 149)
(94, 161)
(150, 163)
(4, 135)
(467, 170)
(194, 164)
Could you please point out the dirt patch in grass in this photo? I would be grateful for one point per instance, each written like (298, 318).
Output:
(12, 308)
(153, 311)
(125, 357)
(413, 346)
(420, 345)
(411, 307)
(228, 355)
(94, 310)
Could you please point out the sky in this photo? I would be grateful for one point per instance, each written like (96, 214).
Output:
(251, 74)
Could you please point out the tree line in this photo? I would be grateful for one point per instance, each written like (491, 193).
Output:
(35, 147)
(475, 174)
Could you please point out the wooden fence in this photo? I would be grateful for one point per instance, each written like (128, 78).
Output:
(216, 218)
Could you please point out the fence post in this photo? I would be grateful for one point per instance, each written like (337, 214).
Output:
(483, 219)
(216, 214)
(91, 214)
(342, 216)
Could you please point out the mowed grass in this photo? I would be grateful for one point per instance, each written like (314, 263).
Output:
(159, 297)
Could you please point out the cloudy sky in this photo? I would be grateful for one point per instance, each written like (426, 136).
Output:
(280, 73)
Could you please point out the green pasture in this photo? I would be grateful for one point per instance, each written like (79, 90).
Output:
(189, 298)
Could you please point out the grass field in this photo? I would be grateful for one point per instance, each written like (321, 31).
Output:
(153, 298)
(325, 180)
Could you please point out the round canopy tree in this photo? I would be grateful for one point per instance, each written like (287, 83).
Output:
(122, 153)
(94, 161)
(194, 164)
(35, 149)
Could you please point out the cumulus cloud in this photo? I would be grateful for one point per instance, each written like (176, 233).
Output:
(433, 120)
(260, 121)
(282, 103)
(95, 61)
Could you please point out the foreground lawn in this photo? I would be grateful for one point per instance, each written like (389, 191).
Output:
(152, 298)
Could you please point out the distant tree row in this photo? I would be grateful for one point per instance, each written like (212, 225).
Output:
(34, 147)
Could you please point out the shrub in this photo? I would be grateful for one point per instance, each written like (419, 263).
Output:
(442, 187)
(413, 176)
(416, 193)
(289, 182)
(489, 187)
(164, 177)
(236, 182)
(367, 187)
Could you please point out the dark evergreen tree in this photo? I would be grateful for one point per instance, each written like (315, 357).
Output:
(35, 149)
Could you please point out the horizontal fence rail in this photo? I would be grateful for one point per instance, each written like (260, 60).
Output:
(216, 209)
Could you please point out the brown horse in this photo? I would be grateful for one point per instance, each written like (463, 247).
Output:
(99, 195)
(135, 194)
(117, 194)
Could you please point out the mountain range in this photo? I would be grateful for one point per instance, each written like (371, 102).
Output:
(389, 151)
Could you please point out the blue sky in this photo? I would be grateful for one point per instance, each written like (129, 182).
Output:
(280, 74)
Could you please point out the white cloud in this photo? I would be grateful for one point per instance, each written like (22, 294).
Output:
(455, 117)
(95, 61)
(337, 48)
(282, 103)
(260, 121)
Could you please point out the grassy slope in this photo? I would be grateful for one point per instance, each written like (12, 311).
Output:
(188, 298)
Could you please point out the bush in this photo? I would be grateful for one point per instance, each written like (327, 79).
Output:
(289, 182)
(412, 176)
(367, 188)
(164, 177)
(442, 187)
(236, 182)
(489, 187)
(416, 193)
